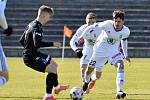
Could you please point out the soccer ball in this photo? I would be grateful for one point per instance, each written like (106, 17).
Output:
(76, 93)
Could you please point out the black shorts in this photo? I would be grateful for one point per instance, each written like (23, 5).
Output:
(38, 62)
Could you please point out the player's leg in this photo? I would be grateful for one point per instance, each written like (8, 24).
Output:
(4, 76)
(82, 69)
(3, 22)
(117, 61)
(94, 63)
(52, 80)
(87, 77)
(120, 79)
(83, 64)
(95, 77)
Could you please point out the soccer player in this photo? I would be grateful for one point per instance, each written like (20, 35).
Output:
(31, 40)
(89, 40)
(4, 75)
(107, 48)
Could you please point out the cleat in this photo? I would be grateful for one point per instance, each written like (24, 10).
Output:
(87, 91)
(62, 87)
(91, 84)
(49, 98)
(120, 95)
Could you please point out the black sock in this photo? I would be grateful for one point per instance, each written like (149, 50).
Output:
(85, 86)
(49, 83)
(55, 79)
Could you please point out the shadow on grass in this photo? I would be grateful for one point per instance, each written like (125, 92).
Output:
(134, 94)
(29, 98)
(139, 94)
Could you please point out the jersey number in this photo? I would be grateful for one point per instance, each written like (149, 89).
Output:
(92, 63)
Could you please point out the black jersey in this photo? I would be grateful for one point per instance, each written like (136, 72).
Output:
(32, 37)
(31, 40)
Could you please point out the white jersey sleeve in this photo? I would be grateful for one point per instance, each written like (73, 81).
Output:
(126, 33)
(104, 24)
(86, 31)
(76, 36)
(124, 43)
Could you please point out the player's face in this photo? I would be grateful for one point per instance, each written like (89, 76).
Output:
(47, 17)
(118, 23)
(90, 20)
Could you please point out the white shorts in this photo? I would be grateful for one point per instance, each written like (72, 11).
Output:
(98, 61)
(87, 54)
(3, 63)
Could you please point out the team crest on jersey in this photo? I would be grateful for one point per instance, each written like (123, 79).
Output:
(108, 32)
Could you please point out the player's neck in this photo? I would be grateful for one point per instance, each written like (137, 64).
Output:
(39, 20)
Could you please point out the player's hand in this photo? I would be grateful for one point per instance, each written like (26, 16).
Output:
(57, 44)
(80, 40)
(8, 31)
(79, 53)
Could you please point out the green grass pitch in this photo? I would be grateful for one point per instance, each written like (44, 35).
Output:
(27, 84)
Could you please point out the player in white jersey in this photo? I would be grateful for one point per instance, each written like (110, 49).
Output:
(86, 53)
(107, 48)
(7, 31)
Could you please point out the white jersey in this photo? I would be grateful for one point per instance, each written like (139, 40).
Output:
(110, 39)
(76, 36)
(90, 36)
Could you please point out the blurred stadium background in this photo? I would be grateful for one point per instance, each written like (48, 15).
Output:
(72, 13)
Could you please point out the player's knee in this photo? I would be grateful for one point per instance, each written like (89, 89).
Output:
(119, 64)
(98, 75)
(83, 69)
(5, 75)
(7, 78)
(3, 79)
(53, 63)
(89, 70)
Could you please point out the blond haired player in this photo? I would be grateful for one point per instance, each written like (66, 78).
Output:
(31, 40)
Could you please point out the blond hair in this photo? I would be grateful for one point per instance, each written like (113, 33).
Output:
(47, 9)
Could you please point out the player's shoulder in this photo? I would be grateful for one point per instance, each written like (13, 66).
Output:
(83, 26)
(106, 22)
(126, 29)
(35, 24)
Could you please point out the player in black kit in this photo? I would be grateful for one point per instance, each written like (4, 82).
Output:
(31, 40)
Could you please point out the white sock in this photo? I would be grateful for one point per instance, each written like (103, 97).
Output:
(120, 79)
(93, 77)
(48, 95)
(87, 78)
(57, 87)
(2, 80)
